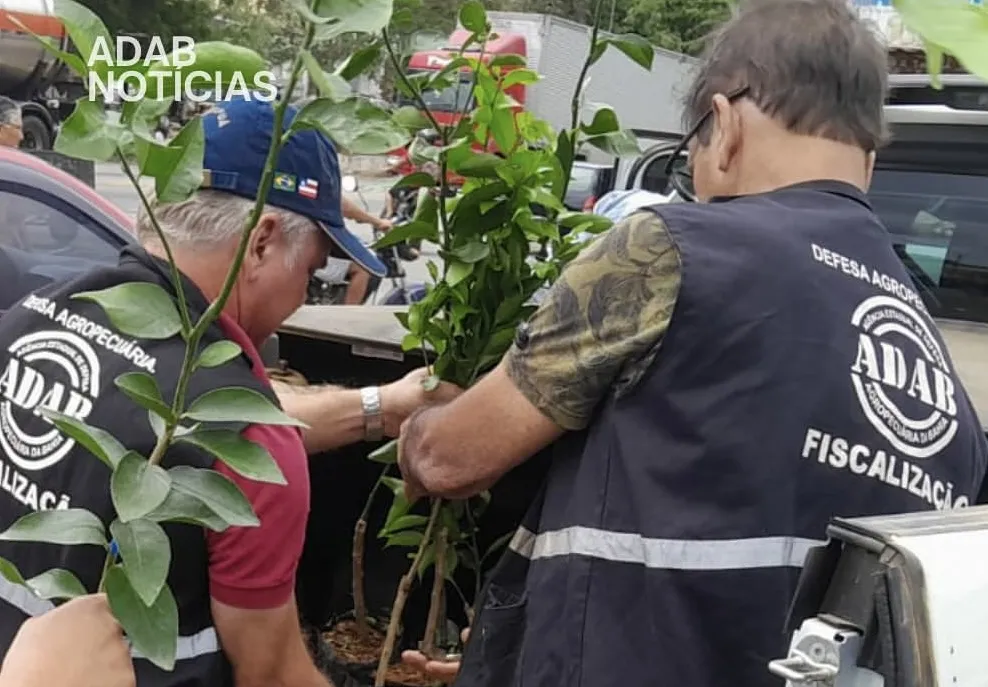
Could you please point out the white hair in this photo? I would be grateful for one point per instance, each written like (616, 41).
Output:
(212, 218)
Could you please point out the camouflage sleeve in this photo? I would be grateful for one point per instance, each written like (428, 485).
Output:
(600, 326)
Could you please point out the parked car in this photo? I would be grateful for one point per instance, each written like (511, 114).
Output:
(52, 226)
(588, 181)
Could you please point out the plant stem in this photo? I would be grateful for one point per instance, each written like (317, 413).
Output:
(359, 543)
(436, 602)
(408, 84)
(183, 308)
(107, 564)
(578, 93)
(404, 587)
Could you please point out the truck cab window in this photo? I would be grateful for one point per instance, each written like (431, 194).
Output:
(939, 225)
(458, 97)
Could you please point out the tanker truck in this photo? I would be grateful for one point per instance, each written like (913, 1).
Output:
(43, 85)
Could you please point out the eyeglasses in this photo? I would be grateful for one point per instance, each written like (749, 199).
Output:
(681, 175)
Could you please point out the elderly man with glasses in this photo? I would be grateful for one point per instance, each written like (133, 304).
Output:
(716, 380)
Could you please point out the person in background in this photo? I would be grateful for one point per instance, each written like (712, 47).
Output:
(715, 382)
(11, 122)
(78, 644)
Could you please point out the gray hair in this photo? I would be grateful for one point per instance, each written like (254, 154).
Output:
(211, 218)
(10, 111)
(812, 65)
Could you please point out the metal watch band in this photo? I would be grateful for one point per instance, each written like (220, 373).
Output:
(370, 398)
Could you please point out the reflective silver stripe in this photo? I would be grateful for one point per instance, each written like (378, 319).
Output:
(670, 554)
(199, 644)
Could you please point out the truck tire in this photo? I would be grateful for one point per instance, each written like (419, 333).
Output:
(36, 133)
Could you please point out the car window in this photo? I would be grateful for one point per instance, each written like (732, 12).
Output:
(43, 239)
(939, 224)
(581, 186)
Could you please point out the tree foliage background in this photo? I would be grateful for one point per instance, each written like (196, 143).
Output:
(272, 27)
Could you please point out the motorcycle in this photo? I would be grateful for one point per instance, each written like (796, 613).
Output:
(328, 287)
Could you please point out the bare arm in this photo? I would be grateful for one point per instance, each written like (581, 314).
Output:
(266, 647)
(335, 415)
(353, 211)
(594, 337)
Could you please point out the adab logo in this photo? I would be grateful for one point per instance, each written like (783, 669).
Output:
(57, 370)
(902, 378)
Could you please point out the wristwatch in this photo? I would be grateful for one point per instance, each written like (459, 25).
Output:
(370, 398)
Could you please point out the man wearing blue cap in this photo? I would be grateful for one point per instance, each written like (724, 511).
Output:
(238, 621)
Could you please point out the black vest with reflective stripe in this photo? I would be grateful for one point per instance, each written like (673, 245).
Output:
(801, 378)
(54, 347)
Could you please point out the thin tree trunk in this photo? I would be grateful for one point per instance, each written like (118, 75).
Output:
(436, 603)
(357, 556)
(404, 587)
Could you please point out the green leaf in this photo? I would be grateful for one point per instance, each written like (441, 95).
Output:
(330, 86)
(217, 492)
(353, 16)
(153, 630)
(84, 28)
(412, 118)
(498, 543)
(137, 487)
(144, 112)
(934, 63)
(359, 62)
(953, 26)
(182, 507)
(354, 124)
(458, 271)
(405, 522)
(75, 63)
(215, 64)
(598, 50)
(97, 441)
(415, 180)
(185, 177)
(70, 527)
(394, 484)
(604, 122)
(473, 17)
(404, 539)
(479, 165)
(139, 309)
(524, 77)
(430, 383)
(243, 456)
(503, 129)
(617, 143)
(10, 572)
(635, 47)
(238, 404)
(412, 231)
(147, 556)
(304, 9)
(87, 134)
(57, 584)
(143, 390)
(473, 252)
(387, 454)
(218, 353)
(507, 60)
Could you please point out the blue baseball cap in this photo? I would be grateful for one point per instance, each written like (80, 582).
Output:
(307, 175)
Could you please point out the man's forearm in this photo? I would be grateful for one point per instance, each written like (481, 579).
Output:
(353, 211)
(334, 415)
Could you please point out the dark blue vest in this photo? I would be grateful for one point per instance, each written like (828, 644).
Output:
(801, 378)
(49, 342)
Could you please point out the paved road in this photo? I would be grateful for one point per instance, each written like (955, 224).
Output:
(113, 185)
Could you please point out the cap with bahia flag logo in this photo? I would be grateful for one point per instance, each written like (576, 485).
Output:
(307, 174)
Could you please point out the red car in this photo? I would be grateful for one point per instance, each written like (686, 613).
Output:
(52, 226)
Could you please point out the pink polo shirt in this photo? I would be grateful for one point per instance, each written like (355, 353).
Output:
(254, 568)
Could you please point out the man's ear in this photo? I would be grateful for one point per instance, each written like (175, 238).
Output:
(262, 243)
(726, 135)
